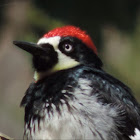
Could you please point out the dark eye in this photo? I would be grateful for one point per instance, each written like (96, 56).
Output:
(67, 47)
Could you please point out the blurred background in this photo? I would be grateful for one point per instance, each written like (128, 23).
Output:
(113, 25)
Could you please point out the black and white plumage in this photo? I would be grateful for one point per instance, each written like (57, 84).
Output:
(73, 97)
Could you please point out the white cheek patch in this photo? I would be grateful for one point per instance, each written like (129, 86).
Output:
(54, 41)
(64, 62)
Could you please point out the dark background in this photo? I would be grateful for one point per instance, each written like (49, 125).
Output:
(113, 25)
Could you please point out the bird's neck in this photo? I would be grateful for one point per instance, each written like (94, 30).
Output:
(39, 75)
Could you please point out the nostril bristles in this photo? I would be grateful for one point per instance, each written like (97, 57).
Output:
(46, 45)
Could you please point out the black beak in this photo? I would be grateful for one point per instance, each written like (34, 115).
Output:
(44, 57)
(32, 48)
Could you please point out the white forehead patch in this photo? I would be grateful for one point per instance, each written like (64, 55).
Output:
(54, 41)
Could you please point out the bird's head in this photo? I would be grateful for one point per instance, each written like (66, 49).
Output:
(61, 48)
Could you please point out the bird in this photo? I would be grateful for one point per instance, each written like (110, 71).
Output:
(72, 96)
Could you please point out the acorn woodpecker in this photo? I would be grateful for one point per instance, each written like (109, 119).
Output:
(72, 96)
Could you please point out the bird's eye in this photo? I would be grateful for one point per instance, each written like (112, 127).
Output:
(67, 47)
